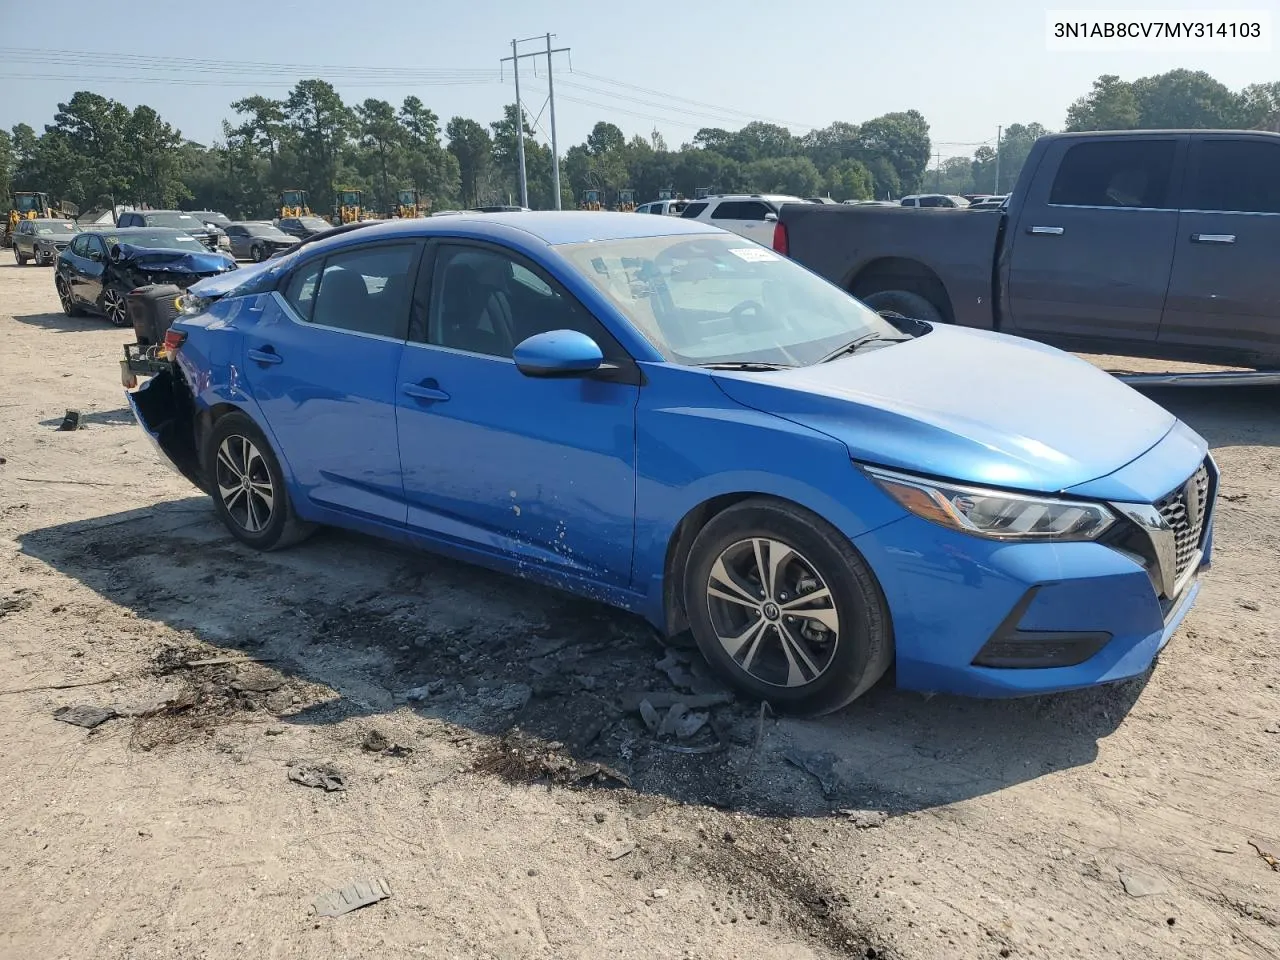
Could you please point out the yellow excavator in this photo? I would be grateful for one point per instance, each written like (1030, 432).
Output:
(591, 200)
(347, 206)
(293, 203)
(32, 205)
(408, 205)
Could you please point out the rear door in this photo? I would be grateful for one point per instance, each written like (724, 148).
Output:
(236, 236)
(87, 284)
(322, 364)
(1092, 250)
(1225, 288)
(745, 218)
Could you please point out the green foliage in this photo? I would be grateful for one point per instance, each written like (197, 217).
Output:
(97, 151)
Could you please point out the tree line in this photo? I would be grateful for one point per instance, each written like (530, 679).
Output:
(98, 151)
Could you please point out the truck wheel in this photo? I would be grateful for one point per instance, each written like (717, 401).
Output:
(785, 609)
(910, 305)
(248, 486)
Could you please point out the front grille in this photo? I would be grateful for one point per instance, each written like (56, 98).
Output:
(1186, 511)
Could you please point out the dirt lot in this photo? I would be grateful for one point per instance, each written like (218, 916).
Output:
(499, 777)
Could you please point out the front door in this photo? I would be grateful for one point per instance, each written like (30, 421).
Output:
(1225, 288)
(1092, 249)
(540, 470)
(322, 362)
(87, 267)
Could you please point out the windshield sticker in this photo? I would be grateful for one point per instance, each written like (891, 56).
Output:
(754, 254)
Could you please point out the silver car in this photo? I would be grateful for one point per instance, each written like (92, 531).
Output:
(42, 240)
(257, 240)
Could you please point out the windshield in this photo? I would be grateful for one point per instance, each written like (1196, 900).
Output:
(61, 226)
(712, 299)
(263, 230)
(314, 223)
(157, 240)
(182, 221)
(212, 216)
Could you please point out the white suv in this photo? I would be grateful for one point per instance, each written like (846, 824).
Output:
(748, 215)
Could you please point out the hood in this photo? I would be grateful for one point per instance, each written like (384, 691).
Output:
(177, 261)
(222, 284)
(967, 405)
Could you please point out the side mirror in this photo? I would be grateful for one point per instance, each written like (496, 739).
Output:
(770, 218)
(557, 353)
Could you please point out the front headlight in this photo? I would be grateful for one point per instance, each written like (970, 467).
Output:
(995, 514)
(224, 242)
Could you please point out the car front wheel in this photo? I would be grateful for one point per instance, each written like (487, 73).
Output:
(114, 307)
(248, 486)
(785, 609)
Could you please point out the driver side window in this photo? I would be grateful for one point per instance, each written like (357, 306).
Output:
(484, 301)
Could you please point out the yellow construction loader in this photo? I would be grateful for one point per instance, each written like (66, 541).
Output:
(591, 200)
(626, 201)
(293, 203)
(347, 206)
(408, 205)
(31, 205)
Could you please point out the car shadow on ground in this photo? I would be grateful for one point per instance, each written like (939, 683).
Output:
(61, 323)
(551, 684)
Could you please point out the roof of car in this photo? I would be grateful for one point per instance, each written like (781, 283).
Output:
(49, 220)
(551, 227)
(134, 231)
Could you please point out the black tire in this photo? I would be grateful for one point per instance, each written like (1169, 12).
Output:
(255, 253)
(842, 668)
(18, 257)
(910, 305)
(69, 306)
(115, 307)
(225, 451)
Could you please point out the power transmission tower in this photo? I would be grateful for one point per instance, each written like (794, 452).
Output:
(515, 59)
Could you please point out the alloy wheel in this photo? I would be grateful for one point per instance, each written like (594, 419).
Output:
(114, 307)
(244, 484)
(773, 612)
(64, 296)
(256, 254)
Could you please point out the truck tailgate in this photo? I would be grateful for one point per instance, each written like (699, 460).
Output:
(840, 242)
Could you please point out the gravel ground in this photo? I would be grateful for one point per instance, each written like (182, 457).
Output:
(496, 773)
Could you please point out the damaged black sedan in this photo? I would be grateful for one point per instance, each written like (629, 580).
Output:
(96, 273)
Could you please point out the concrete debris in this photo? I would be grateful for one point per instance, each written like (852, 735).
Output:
(424, 691)
(673, 665)
(255, 679)
(821, 766)
(622, 850)
(513, 696)
(866, 819)
(665, 699)
(649, 714)
(375, 741)
(1141, 885)
(356, 894)
(85, 716)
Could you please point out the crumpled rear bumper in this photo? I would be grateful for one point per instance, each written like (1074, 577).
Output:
(163, 408)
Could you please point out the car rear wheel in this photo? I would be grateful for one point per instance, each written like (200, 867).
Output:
(64, 297)
(910, 305)
(18, 257)
(784, 607)
(114, 307)
(248, 486)
(255, 252)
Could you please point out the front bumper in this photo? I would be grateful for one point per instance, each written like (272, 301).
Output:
(984, 618)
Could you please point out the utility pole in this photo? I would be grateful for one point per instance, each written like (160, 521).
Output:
(999, 132)
(515, 59)
(524, 181)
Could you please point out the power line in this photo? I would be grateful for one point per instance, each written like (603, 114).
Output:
(699, 103)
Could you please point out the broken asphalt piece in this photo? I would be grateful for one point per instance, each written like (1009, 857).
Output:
(622, 850)
(1141, 885)
(866, 819)
(667, 728)
(1268, 857)
(650, 716)
(599, 773)
(665, 699)
(375, 741)
(70, 420)
(513, 696)
(689, 724)
(821, 766)
(673, 666)
(255, 679)
(322, 777)
(85, 716)
(356, 894)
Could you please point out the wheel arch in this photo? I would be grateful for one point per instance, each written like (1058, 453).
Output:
(903, 273)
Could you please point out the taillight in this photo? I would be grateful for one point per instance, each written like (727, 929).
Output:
(173, 339)
(780, 238)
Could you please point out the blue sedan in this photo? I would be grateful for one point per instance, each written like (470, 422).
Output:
(657, 414)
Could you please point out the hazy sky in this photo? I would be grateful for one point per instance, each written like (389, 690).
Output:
(967, 65)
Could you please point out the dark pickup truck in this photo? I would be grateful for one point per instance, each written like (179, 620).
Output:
(1154, 243)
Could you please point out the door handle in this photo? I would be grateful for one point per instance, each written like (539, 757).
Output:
(1046, 231)
(428, 390)
(265, 356)
(1213, 238)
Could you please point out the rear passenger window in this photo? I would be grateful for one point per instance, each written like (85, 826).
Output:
(740, 210)
(1236, 175)
(301, 289)
(367, 290)
(1115, 173)
(693, 210)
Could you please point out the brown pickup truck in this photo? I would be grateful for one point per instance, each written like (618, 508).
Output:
(1152, 243)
